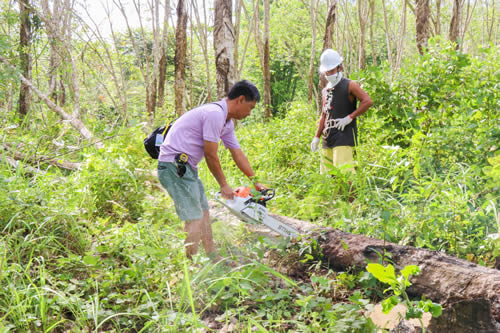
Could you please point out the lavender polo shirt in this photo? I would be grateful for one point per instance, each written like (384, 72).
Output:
(204, 123)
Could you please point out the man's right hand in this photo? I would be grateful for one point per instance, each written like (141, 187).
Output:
(227, 192)
(314, 144)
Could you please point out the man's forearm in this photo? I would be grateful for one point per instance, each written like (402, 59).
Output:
(363, 107)
(213, 164)
(321, 126)
(242, 162)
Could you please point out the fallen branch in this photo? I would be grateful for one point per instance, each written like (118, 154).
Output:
(17, 156)
(12, 163)
(74, 121)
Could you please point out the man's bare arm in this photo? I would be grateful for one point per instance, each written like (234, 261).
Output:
(213, 163)
(365, 100)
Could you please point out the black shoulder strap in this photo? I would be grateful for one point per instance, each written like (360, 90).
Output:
(217, 105)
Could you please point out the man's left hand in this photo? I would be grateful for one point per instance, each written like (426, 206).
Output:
(341, 123)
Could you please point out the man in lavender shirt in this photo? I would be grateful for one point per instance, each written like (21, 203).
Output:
(196, 134)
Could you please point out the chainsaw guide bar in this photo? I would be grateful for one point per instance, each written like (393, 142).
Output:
(253, 211)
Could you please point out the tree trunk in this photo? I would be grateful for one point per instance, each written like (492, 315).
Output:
(468, 18)
(258, 37)
(372, 27)
(313, 14)
(455, 23)
(223, 46)
(266, 69)
(363, 12)
(237, 28)
(401, 39)
(162, 66)
(422, 24)
(438, 17)
(387, 35)
(25, 56)
(331, 19)
(443, 278)
(180, 58)
(53, 19)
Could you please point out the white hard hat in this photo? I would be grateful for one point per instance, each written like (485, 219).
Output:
(329, 60)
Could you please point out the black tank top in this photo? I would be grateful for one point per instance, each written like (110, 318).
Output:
(340, 107)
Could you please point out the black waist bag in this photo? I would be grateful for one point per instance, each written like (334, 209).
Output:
(154, 140)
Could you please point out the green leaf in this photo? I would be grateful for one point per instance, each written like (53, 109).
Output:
(410, 270)
(383, 274)
(90, 260)
(435, 309)
(389, 303)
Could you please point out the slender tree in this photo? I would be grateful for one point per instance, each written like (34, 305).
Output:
(438, 18)
(180, 58)
(163, 56)
(387, 34)
(401, 37)
(56, 21)
(455, 22)
(25, 56)
(266, 69)
(331, 19)
(237, 29)
(372, 28)
(422, 24)
(363, 12)
(223, 46)
(313, 14)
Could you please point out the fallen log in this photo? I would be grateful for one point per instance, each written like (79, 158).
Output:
(443, 278)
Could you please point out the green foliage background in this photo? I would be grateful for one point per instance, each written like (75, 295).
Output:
(100, 248)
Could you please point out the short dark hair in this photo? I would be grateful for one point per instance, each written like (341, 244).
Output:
(245, 88)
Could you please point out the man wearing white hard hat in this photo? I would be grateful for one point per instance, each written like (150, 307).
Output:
(337, 123)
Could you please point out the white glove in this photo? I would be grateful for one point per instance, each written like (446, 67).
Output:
(341, 123)
(314, 144)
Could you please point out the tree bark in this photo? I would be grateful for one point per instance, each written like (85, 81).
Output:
(331, 19)
(237, 29)
(422, 24)
(53, 20)
(223, 47)
(313, 14)
(372, 27)
(363, 12)
(438, 17)
(180, 58)
(455, 23)
(267, 71)
(25, 56)
(162, 65)
(443, 278)
(387, 35)
(401, 39)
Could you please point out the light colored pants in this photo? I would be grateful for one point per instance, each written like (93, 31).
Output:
(336, 156)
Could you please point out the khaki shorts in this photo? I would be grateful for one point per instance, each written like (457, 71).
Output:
(336, 156)
(187, 192)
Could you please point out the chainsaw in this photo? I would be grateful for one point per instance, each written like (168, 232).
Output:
(252, 209)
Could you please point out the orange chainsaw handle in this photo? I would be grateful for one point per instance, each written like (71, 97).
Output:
(244, 192)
